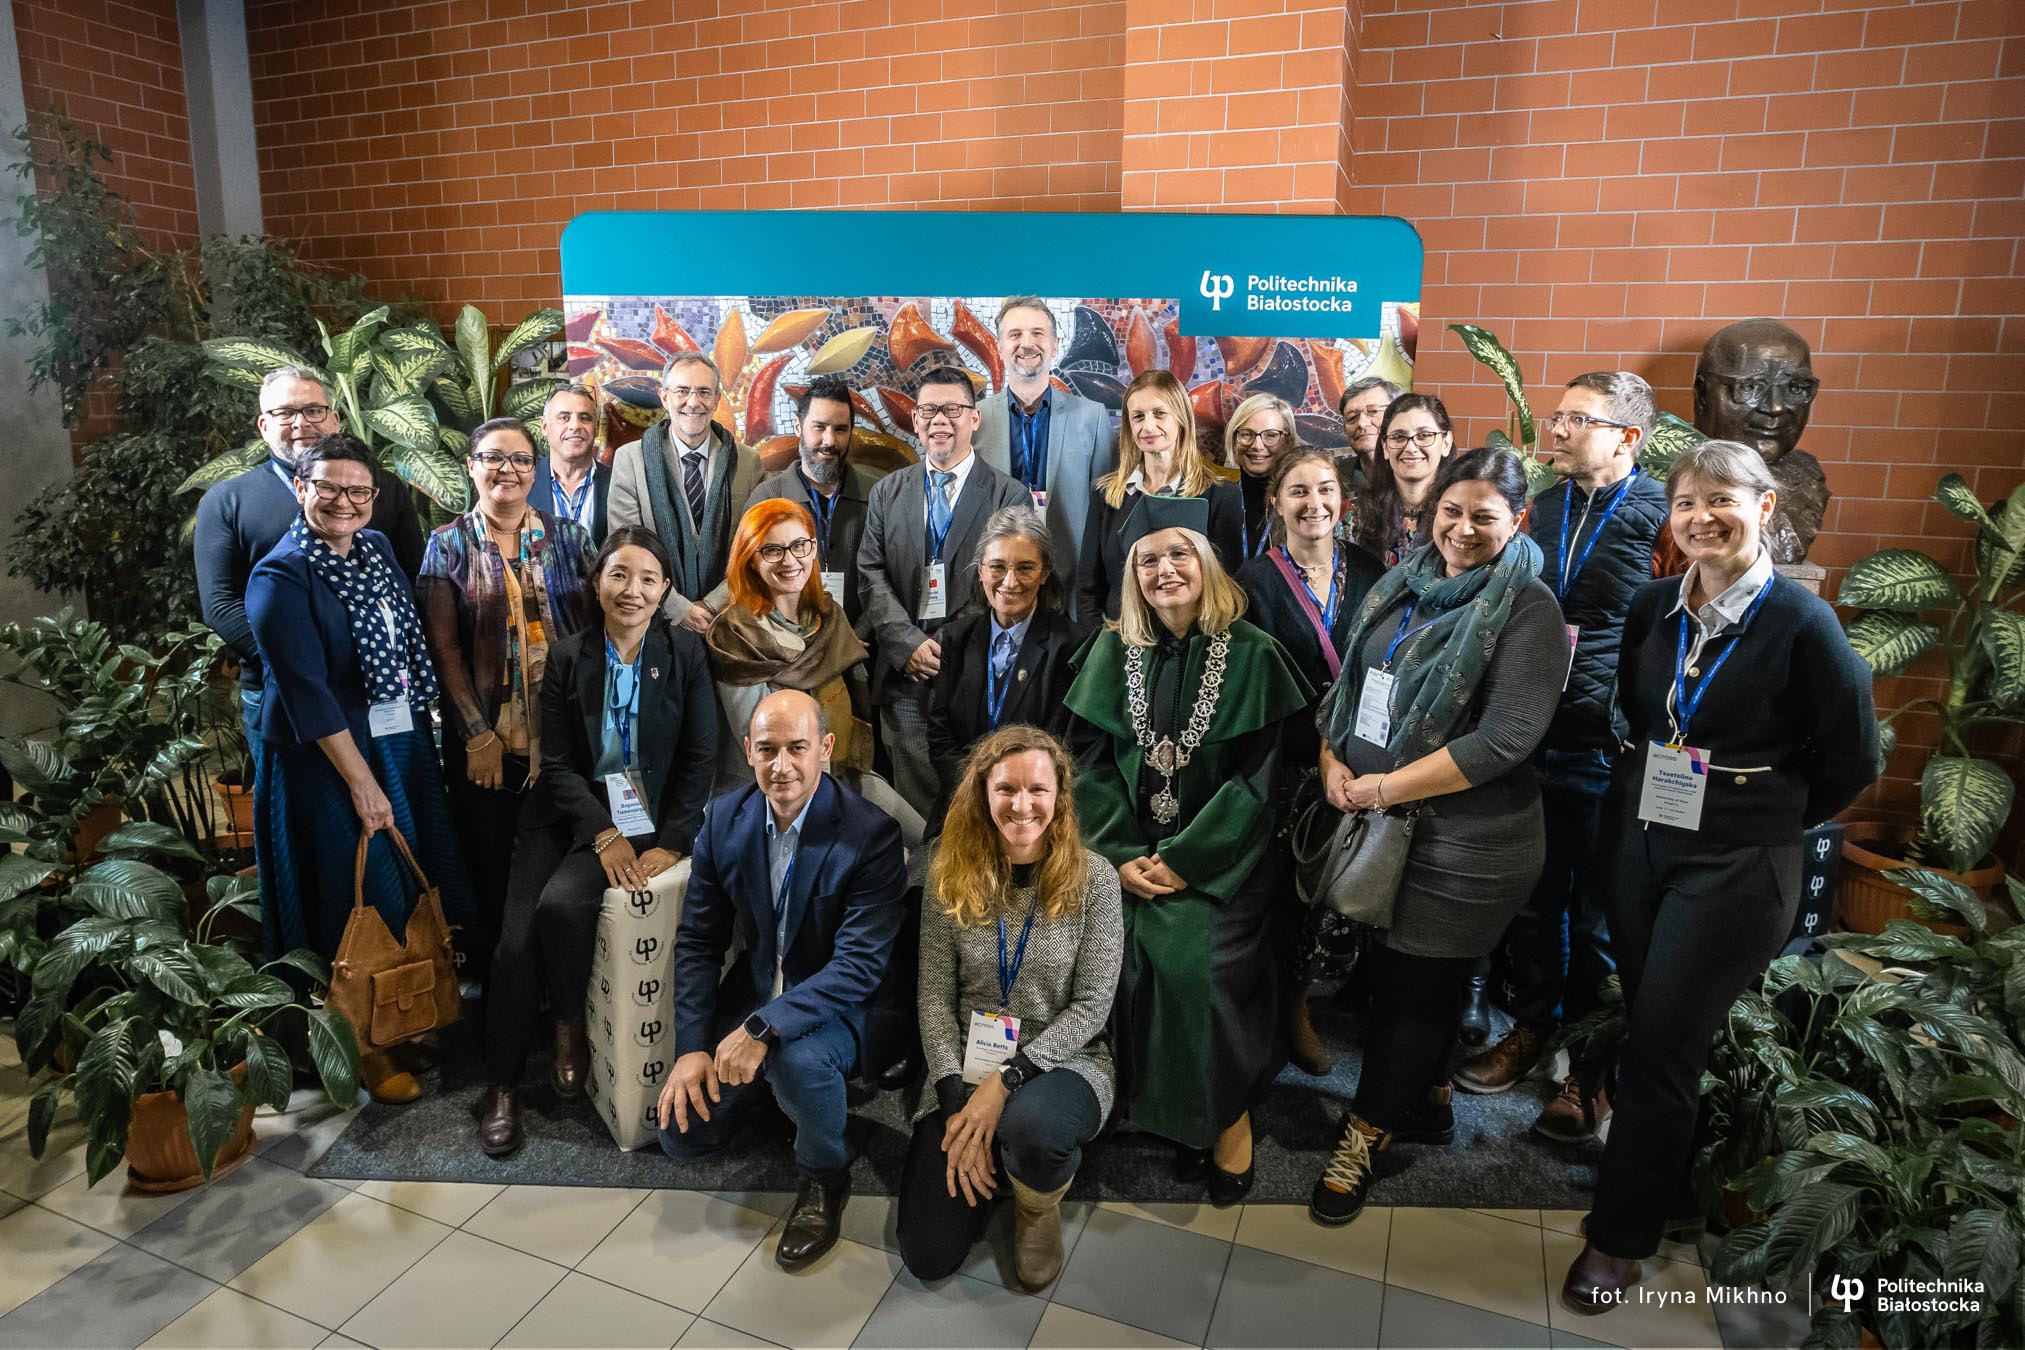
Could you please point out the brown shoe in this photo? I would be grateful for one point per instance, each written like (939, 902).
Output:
(385, 1081)
(1597, 1283)
(1304, 1047)
(1498, 1068)
(572, 1057)
(499, 1121)
(1037, 1234)
(1570, 1117)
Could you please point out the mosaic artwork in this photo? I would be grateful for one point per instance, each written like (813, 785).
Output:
(769, 348)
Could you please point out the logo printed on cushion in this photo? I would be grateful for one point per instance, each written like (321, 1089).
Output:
(643, 903)
(651, 1071)
(646, 992)
(645, 949)
(648, 1032)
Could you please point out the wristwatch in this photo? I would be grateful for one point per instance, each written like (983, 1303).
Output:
(1014, 1076)
(756, 1027)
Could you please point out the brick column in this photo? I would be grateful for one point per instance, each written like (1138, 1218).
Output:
(1240, 105)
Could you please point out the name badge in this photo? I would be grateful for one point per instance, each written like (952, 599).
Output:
(1676, 777)
(1374, 707)
(629, 809)
(1041, 499)
(390, 717)
(994, 1040)
(934, 592)
(833, 582)
(1574, 641)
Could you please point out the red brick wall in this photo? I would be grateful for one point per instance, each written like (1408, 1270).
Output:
(443, 152)
(115, 68)
(1605, 184)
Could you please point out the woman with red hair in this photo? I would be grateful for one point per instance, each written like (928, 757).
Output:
(781, 630)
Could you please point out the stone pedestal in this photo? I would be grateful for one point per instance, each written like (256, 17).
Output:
(1806, 573)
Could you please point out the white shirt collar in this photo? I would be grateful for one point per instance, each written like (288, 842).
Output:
(962, 472)
(1727, 608)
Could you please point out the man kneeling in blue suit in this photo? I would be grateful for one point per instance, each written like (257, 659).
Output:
(809, 877)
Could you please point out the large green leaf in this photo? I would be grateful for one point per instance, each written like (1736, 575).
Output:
(474, 344)
(71, 950)
(1887, 741)
(1670, 436)
(41, 1115)
(1983, 1247)
(458, 396)
(1954, 494)
(213, 1103)
(126, 889)
(404, 421)
(20, 873)
(1852, 1149)
(244, 360)
(174, 977)
(408, 340)
(1942, 898)
(1486, 348)
(37, 766)
(1963, 804)
(539, 326)
(269, 1076)
(2004, 644)
(435, 473)
(1903, 580)
(335, 1051)
(150, 837)
(454, 442)
(410, 373)
(1889, 642)
(256, 990)
(36, 1026)
(526, 399)
(107, 1076)
(228, 465)
(1801, 1230)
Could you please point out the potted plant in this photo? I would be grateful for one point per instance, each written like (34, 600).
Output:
(165, 1022)
(1859, 1113)
(1907, 605)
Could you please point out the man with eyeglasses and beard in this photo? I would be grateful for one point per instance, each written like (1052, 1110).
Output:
(1055, 442)
(834, 490)
(240, 520)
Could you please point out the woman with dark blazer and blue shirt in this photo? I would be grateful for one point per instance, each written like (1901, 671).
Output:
(344, 727)
(628, 746)
(1751, 720)
(1005, 659)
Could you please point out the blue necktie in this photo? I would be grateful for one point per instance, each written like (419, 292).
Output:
(1002, 654)
(939, 509)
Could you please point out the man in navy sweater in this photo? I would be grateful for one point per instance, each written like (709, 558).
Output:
(242, 518)
(1596, 530)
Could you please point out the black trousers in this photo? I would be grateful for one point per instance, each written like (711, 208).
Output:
(548, 934)
(485, 820)
(1040, 1140)
(1694, 924)
(1409, 1032)
(1556, 955)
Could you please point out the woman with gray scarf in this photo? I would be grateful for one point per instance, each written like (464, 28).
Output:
(1452, 673)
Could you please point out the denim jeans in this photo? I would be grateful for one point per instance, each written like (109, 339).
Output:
(1556, 954)
(805, 1078)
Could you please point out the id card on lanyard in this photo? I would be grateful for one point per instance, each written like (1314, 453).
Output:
(391, 716)
(935, 576)
(1676, 776)
(824, 508)
(995, 1036)
(622, 705)
(1374, 700)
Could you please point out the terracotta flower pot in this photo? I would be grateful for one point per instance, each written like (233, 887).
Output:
(1866, 900)
(239, 810)
(160, 1157)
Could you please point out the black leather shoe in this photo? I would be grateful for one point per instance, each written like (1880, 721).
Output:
(812, 1225)
(1597, 1283)
(1228, 1188)
(572, 1058)
(1476, 1011)
(1191, 1164)
(499, 1121)
(900, 1072)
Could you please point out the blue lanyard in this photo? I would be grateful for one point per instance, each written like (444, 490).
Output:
(572, 507)
(623, 711)
(1403, 634)
(1010, 971)
(1685, 703)
(1567, 578)
(1328, 610)
(935, 541)
(1254, 548)
(994, 692)
(787, 881)
(824, 509)
(1033, 466)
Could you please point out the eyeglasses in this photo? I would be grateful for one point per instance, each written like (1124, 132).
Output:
(1755, 390)
(773, 553)
(996, 571)
(327, 491)
(1423, 438)
(494, 460)
(682, 393)
(308, 412)
(1181, 555)
(1577, 423)
(928, 412)
(1269, 439)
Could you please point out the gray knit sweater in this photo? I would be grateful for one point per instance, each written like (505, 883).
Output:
(1063, 994)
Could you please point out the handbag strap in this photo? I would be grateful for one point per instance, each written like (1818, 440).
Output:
(1307, 604)
(359, 864)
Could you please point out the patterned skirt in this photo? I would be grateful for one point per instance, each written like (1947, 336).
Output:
(306, 838)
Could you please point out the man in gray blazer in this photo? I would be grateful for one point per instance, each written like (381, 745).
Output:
(914, 569)
(1054, 442)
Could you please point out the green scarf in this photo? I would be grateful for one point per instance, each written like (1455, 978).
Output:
(1436, 671)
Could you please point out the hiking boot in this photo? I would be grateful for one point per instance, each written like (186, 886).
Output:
(1339, 1193)
(1571, 1116)
(1431, 1122)
(1511, 1059)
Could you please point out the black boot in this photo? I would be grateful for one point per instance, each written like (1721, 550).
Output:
(1476, 1011)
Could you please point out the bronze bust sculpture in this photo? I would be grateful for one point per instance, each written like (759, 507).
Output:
(1755, 384)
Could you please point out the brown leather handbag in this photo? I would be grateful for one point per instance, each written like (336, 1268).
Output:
(394, 990)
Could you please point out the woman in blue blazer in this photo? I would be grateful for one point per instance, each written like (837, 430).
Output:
(344, 727)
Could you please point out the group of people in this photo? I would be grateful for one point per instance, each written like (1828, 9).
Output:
(1087, 679)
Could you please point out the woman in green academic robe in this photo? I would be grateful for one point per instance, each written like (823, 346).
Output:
(1178, 706)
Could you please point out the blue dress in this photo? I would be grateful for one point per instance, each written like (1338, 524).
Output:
(305, 829)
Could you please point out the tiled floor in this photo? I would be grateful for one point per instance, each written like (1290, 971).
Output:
(271, 1257)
